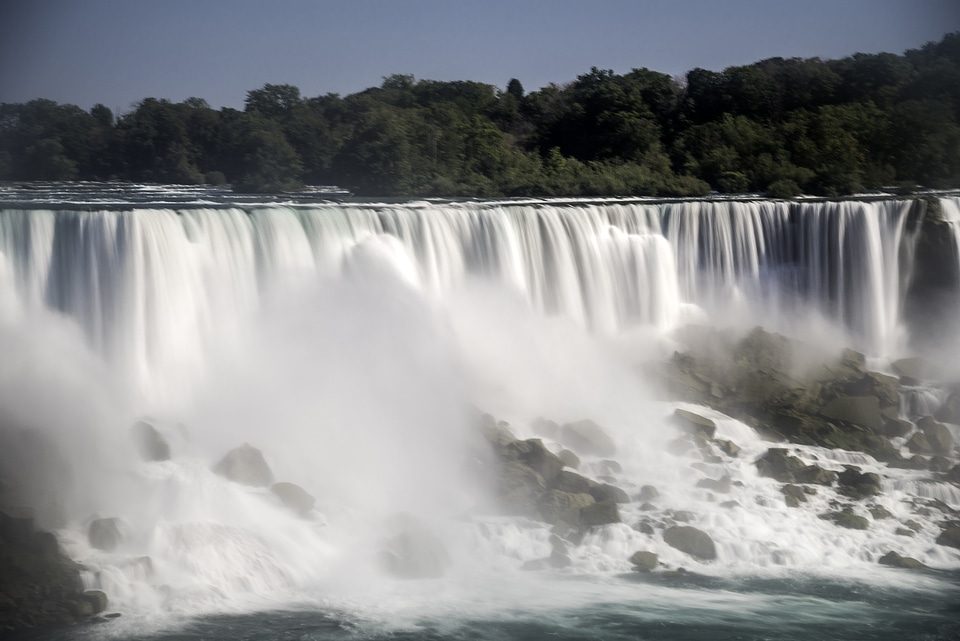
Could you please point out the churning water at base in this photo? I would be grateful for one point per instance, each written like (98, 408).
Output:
(353, 343)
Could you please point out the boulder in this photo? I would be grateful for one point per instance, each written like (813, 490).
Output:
(847, 519)
(105, 534)
(856, 485)
(650, 493)
(938, 435)
(150, 443)
(606, 492)
(97, 600)
(569, 459)
(950, 536)
(894, 560)
(897, 428)
(721, 486)
(644, 561)
(588, 438)
(953, 475)
(692, 541)
(885, 388)
(599, 514)
(519, 488)
(949, 412)
(245, 465)
(879, 512)
(920, 444)
(859, 410)
(294, 497)
(567, 481)
(694, 423)
(913, 369)
(793, 495)
(938, 464)
(776, 463)
(536, 456)
(729, 448)
(563, 507)
(415, 553)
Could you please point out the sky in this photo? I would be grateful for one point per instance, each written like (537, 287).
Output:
(117, 52)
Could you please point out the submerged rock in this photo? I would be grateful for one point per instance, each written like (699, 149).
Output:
(692, 541)
(150, 443)
(246, 465)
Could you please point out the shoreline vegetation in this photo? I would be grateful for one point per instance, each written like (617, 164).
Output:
(782, 127)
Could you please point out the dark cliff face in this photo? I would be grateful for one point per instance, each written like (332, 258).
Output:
(39, 586)
(933, 295)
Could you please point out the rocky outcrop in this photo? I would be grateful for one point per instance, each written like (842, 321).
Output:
(531, 481)
(150, 443)
(692, 541)
(758, 379)
(39, 586)
(245, 465)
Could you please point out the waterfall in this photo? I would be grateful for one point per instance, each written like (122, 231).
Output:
(150, 286)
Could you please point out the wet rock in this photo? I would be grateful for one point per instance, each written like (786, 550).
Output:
(150, 443)
(644, 561)
(729, 505)
(897, 428)
(894, 560)
(556, 506)
(729, 448)
(607, 492)
(793, 495)
(913, 370)
(950, 536)
(856, 485)
(919, 443)
(415, 554)
(847, 519)
(545, 427)
(536, 456)
(938, 435)
(568, 481)
(859, 410)
(599, 514)
(519, 488)
(949, 412)
(294, 497)
(245, 465)
(609, 467)
(692, 541)
(105, 534)
(694, 423)
(953, 475)
(721, 486)
(879, 512)
(569, 459)
(650, 493)
(776, 463)
(938, 464)
(97, 600)
(644, 527)
(586, 437)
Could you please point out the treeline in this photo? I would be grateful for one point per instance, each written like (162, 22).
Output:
(782, 126)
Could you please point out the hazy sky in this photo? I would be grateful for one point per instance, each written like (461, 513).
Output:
(120, 51)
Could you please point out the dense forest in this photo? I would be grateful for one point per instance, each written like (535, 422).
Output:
(780, 126)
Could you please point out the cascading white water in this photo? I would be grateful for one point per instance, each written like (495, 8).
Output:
(345, 340)
(149, 287)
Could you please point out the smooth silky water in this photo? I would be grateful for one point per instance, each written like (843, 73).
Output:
(354, 344)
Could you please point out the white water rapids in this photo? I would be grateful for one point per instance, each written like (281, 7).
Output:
(350, 342)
